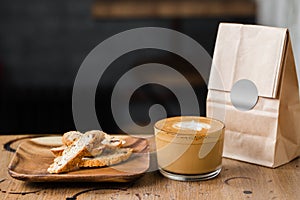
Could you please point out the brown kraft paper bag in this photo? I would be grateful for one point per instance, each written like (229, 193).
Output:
(269, 133)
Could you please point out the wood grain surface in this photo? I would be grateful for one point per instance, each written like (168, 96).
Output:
(238, 180)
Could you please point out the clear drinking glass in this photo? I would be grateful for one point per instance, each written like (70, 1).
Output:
(189, 148)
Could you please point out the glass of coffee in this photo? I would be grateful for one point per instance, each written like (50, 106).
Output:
(189, 148)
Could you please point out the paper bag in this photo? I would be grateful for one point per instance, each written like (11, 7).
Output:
(269, 133)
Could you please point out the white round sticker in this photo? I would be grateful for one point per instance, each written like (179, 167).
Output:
(244, 95)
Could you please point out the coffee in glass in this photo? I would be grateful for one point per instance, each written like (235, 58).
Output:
(189, 147)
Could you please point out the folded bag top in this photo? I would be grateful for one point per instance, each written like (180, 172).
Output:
(248, 52)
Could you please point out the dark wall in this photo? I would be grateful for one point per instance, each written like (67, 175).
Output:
(42, 44)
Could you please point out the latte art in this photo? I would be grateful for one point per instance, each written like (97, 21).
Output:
(191, 125)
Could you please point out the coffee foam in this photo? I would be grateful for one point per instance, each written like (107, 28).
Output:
(191, 125)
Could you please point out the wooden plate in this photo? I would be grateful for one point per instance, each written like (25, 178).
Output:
(33, 157)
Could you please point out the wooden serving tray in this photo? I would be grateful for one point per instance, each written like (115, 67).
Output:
(33, 157)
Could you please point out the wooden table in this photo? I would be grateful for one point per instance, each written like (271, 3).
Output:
(238, 180)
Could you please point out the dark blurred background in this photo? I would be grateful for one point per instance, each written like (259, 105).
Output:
(43, 43)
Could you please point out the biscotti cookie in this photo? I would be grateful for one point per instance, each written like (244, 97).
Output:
(72, 155)
(107, 158)
(112, 142)
(58, 151)
(70, 137)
